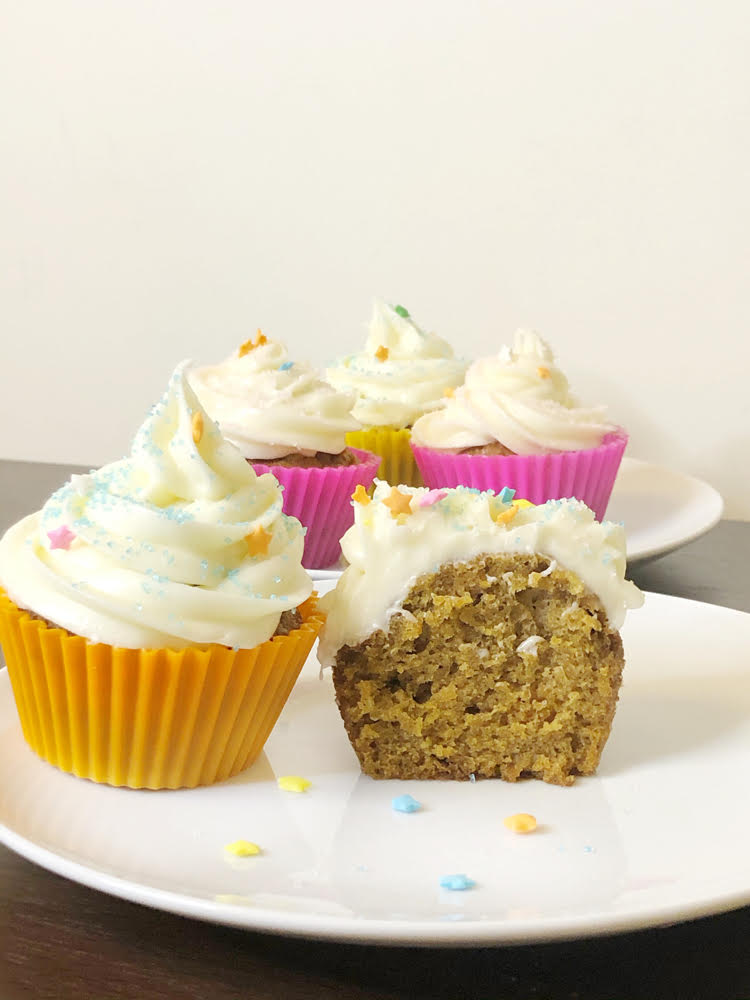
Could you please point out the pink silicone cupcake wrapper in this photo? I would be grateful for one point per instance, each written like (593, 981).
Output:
(321, 499)
(587, 475)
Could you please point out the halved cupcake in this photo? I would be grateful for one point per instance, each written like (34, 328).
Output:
(514, 423)
(155, 614)
(286, 420)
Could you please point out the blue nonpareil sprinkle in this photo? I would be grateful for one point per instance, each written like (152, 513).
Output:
(456, 883)
(406, 804)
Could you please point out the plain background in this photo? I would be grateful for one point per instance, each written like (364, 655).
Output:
(176, 173)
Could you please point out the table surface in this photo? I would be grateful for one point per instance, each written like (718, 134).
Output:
(59, 939)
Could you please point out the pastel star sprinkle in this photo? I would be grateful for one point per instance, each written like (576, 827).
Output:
(360, 495)
(507, 515)
(258, 541)
(382, 353)
(250, 345)
(520, 823)
(197, 424)
(286, 366)
(543, 371)
(506, 494)
(521, 503)
(449, 392)
(402, 311)
(433, 497)
(242, 848)
(398, 502)
(405, 804)
(293, 783)
(456, 883)
(60, 538)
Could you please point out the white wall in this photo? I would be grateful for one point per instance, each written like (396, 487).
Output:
(175, 174)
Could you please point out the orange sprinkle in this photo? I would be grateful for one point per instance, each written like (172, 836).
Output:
(520, 823)
(197, 424)
(382, 353)
(251, 344)
(506, 516)
(258, 541)
(543, 372)
(398, 502)
(360, 495)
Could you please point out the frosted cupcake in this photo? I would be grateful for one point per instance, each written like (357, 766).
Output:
(474, 635)
(285, 419)
(514, 422)
(402, 373)
(155, 614)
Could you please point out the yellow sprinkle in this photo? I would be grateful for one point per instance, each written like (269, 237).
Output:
(197, 423)
(521, 504)
(242, 848)
(520, 823)
(382, 353)
(449, 392)
(543, 372)
(293, 783)
(506, 516)
(360, 495)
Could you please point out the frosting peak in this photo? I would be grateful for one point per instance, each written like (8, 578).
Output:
(401, 373)
(152, 550)
(270, 407)
(519, 398)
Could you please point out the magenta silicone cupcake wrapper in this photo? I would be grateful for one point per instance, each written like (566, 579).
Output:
(321, 499)
(588, 475)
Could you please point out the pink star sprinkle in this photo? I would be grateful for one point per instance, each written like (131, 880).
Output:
(434, 496)
(61, 537)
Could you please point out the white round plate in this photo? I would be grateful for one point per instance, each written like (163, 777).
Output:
(658, 835)
(660, 508)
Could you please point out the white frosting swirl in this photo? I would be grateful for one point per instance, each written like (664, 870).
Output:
(387, 554)
(159, 556)
(396, 387)
(519, 398)
(270, 407)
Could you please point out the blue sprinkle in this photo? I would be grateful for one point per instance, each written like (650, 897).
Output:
(286, 366)
(406, 804)
(456, 883)
(506, 494)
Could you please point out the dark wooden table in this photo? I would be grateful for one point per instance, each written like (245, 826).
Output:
(60, 940)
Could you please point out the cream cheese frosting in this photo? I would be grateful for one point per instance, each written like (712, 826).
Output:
(270, 407)
(519, 398)
(402, 372)
(180, 543)
(387, 553)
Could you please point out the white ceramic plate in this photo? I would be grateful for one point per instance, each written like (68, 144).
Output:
(659, 835)
(660, 508)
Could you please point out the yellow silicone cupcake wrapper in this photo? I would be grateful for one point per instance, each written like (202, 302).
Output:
(155, 718)
(392, 444)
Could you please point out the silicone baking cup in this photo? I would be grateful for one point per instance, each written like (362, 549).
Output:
(397, 465)
(152, 718)
(321, 499)
(588, 475)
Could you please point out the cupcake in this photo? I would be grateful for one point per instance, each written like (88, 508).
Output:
(286, 420)
(515, 423)
(402, 373)
(476, 636)
(155, 614)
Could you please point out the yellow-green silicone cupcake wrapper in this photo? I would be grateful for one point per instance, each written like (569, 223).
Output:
(392, 444)
(155, 718)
